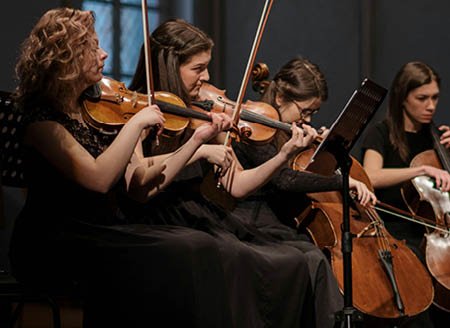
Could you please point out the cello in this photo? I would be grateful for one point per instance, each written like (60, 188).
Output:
(424, 199)
(382, 265)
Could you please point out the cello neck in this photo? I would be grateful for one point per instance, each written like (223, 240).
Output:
(441, 151)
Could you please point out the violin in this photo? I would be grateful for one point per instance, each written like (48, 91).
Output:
(260, 75)
(258, 121)
(115, 105)
(424, 199)
(383, 267)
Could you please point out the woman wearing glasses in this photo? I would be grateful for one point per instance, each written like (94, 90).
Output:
(297, 92)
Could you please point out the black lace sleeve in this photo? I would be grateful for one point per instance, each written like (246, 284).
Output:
(286, 179)
(94, 141)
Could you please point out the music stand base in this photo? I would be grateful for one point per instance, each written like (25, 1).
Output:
(348, 317)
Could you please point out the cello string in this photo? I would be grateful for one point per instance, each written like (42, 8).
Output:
(375, 222)
(441, 151)
(382, 239)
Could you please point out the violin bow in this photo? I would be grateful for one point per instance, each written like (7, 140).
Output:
(147, 52)
(250, 63)
(148, 58)
(248, 70)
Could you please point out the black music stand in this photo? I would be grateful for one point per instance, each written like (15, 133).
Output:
(333, 154)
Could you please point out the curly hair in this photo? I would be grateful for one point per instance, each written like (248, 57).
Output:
(173, 43)
(52, 57)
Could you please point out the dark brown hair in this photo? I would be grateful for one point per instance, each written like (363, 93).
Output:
(173, 43)
(299, 80)
(411, 76)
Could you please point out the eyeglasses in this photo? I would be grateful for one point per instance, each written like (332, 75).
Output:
(305, 112)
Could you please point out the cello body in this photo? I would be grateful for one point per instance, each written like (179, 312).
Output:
(424, 199)
(382, 267)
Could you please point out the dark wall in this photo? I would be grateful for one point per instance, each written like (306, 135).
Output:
(16, 20)
(349, 40)
(325, 31)
(416, 31)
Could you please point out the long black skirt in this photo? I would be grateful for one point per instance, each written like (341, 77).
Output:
(128, 275)
(267, 282)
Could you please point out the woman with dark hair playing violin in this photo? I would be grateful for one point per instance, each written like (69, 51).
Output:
(71, 231)
(296, 91)
(391, 145)
(266, 276)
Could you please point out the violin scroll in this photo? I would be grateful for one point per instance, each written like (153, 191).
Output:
(260, 74)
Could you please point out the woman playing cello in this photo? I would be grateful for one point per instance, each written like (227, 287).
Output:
(391, 144)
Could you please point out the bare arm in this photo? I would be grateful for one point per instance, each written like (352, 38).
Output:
(388, 177)
(148, 176)
(153, 174)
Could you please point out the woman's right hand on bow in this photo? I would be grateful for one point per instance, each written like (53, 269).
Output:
(219, 155)
(150, 116)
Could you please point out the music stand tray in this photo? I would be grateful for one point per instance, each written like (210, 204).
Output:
(349, 125)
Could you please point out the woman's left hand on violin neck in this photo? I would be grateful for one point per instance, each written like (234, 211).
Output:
(219, 122)
(301, 138)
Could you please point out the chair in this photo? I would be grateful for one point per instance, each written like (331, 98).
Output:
(11, 156)
(12, 175)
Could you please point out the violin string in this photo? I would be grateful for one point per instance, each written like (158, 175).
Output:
(258, 118)
(254, 117)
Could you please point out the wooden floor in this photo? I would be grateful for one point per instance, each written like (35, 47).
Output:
(36, 315)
